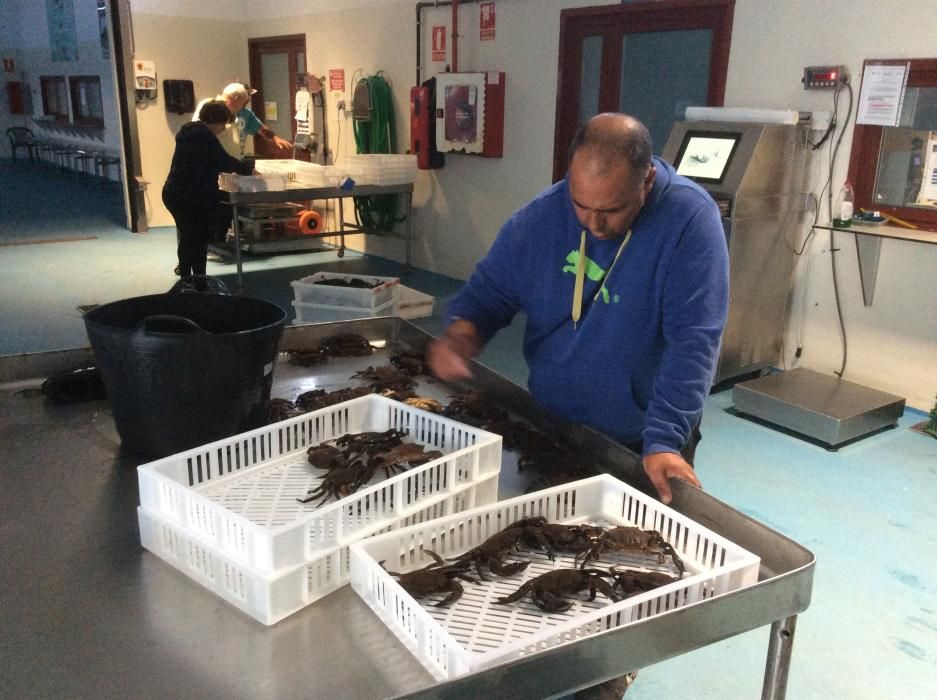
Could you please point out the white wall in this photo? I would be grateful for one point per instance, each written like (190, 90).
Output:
(25, 38)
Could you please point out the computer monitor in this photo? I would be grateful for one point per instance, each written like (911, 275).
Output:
(704, 156)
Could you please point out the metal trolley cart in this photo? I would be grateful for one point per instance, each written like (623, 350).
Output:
(242, 203)
(95, 615)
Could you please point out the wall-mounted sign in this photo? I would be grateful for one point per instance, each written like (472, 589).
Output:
(439, 43)
(486, 21)
(336, 79)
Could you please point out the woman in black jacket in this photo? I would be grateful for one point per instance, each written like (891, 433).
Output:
(191, 191)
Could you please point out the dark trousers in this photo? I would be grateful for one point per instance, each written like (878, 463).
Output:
(196, 222)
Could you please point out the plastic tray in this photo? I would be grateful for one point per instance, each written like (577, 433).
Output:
(307, 290)
(232, 182)
(475, 632)
(414, 304)
(319, 313)
(270, 598)
(239, 494)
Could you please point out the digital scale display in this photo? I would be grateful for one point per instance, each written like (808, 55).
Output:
(821, 77)
(704, 156)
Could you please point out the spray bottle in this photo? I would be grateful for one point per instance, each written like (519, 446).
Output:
(844, 207)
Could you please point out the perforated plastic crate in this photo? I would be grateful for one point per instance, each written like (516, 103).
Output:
(320, 313)
(308, 290)
(239, 495)
(267, 597)
(414, 304)
(476, 632)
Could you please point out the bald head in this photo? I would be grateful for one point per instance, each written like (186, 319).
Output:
(612, 139)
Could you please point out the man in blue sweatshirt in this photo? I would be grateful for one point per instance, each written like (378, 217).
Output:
(622, 271)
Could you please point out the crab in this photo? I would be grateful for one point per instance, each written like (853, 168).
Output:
(386, 378)
(393, 460)
(473, 408)
(493, 551)
(633, 539)
(409, 362)
(632, 581)
(551, 537)
(319, 398)
(348, 345)
(326, 457)
(279, 409)
(431, 405)
(339, 482)
(370, 443)
(438, 577)
(548, 590)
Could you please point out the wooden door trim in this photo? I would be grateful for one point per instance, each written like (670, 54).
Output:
(256, 48)
(611, 21)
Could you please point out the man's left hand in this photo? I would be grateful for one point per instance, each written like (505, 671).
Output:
(663, 466)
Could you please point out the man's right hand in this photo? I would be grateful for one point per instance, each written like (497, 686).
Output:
(448, 357)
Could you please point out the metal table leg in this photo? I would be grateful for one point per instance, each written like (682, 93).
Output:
(409, 207)
(341, 227)
(237, 247)
(779, 659)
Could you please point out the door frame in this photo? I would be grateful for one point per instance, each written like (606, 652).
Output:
(612, 21)
(255, 49)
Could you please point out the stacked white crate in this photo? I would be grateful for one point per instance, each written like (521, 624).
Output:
(381, 168)
(315, 302)
(226, 514)
(476, 632)
(232, 182)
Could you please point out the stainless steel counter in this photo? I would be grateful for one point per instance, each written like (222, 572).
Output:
(88, 613)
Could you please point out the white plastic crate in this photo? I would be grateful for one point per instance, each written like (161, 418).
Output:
(414, 304)
(381, 168)
(239, 495)
(475, 632)
(319, 313)
(232, 182)
(307, 290)
(313, 175)
(269, 598)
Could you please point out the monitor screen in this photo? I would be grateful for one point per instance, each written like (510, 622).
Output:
(704, 156)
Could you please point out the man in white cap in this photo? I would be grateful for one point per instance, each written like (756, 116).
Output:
(237, 96)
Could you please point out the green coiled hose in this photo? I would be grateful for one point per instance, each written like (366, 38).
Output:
(376, 135)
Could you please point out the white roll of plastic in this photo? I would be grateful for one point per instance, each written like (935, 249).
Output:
(742, 114)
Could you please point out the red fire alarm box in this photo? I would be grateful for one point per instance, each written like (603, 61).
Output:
(470, 113)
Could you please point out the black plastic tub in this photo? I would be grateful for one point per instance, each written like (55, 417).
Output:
(185, 369)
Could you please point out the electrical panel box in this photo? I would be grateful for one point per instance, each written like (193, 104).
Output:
(179, 96)
(470, 113)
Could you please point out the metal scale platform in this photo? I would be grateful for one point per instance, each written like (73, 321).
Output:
(820, 407)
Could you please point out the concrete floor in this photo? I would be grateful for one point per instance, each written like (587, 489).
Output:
(866, 511)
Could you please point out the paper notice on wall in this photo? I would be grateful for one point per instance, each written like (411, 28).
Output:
(270, 111)
(929, 183)
(302, 105)
(882, 93)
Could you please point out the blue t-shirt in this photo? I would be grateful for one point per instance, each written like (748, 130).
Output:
(251, 123)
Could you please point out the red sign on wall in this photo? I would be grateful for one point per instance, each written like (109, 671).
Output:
(337, 80)
(439, 43)
(486, 21)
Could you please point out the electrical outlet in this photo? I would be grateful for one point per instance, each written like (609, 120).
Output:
(341, 105)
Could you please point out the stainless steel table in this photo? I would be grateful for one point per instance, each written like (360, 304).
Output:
(88, 613)
(294, 192)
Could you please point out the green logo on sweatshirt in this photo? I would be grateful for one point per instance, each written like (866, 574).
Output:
(593, 271)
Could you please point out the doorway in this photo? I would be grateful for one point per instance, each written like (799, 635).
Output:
(275, 63)
(649, 59)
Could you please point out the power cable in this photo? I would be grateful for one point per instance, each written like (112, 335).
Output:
(833, 249)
